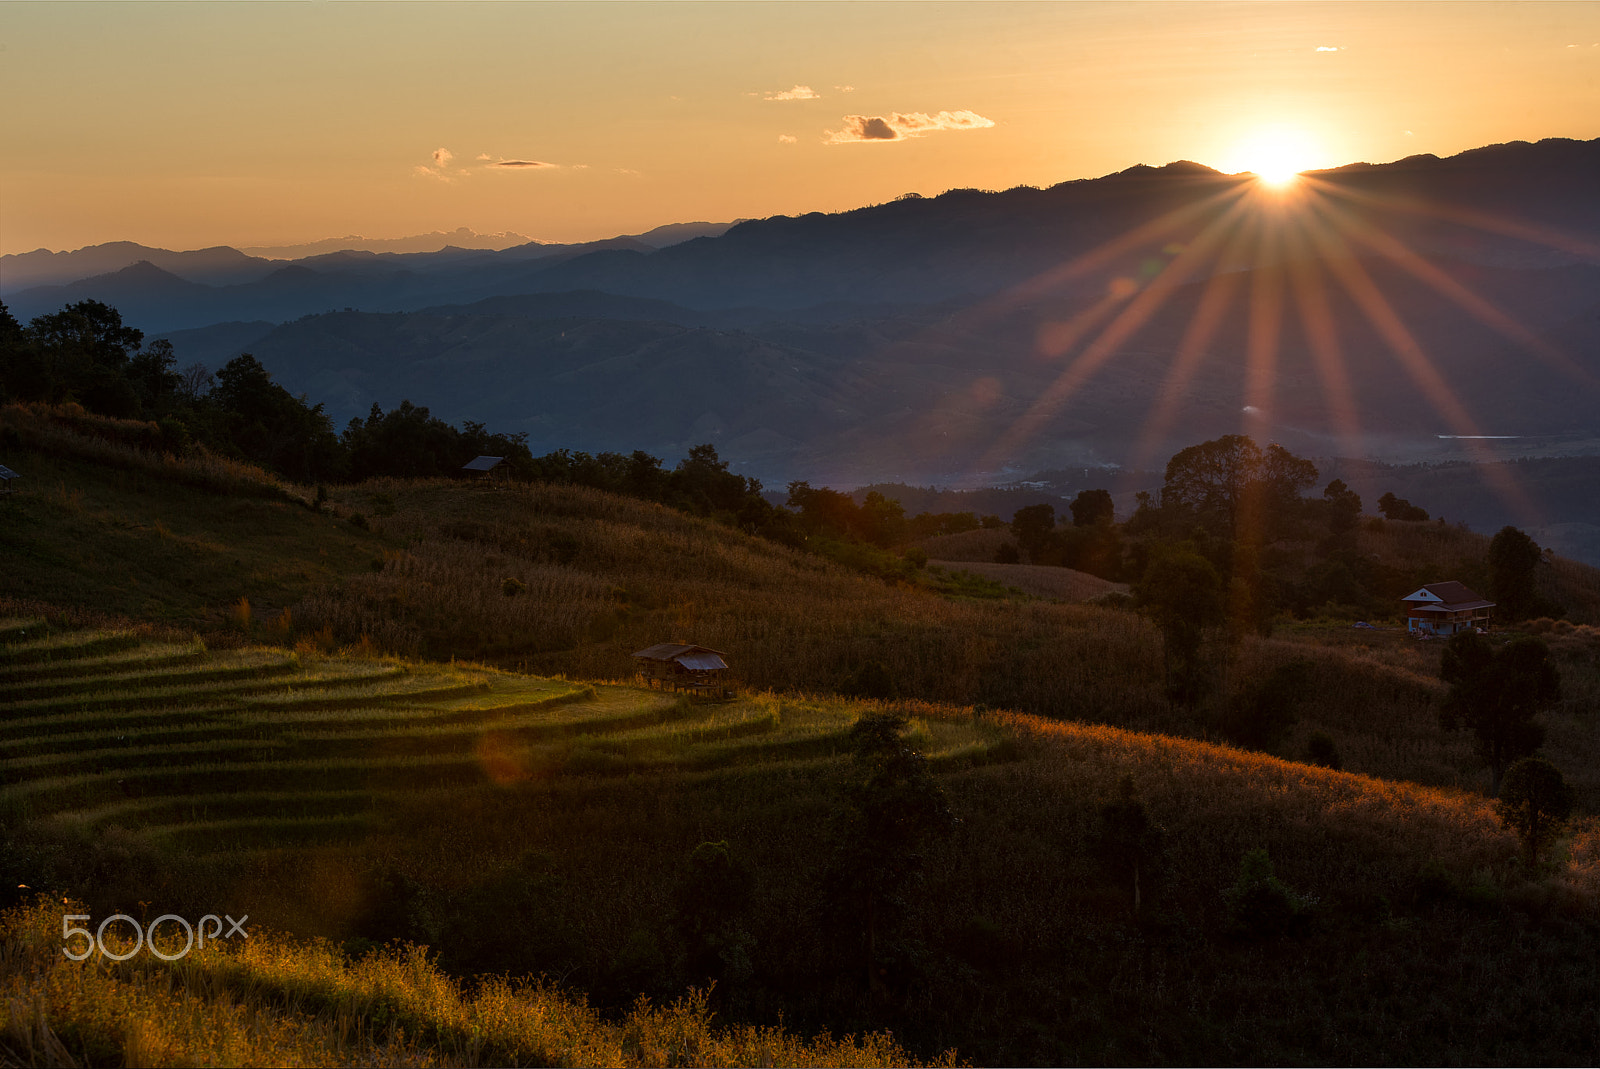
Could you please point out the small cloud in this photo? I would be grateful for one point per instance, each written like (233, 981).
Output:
(1410, 134)
(520, 164)
(442, 157)
(899, 126)
(484, 157)
(787, 139)
(799, 92)
(844, 89)
(1327, 48)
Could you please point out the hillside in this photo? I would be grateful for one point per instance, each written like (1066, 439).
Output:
(407, 716)
(401, 830)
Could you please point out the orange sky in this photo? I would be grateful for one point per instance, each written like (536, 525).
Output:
(188, 125)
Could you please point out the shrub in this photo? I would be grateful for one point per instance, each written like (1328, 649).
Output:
(1534, 802)
(1320, 750)
(1259, 905)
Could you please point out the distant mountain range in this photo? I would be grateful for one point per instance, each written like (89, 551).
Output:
(914, 340)
(99, 267)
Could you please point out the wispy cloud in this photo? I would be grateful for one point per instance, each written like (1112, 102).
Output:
(799, 92)
(445, 168)
(899, 126)
(1327, 48)
(787, 139)
(844, 89)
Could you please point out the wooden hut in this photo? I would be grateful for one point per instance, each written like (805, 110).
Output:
(486, 469)
(684, 667)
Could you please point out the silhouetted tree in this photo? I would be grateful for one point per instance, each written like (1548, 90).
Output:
(266, 424)
(1398, 508)
(1182, 592)
(1092, 507)
(1259, 717)
(1033, 527)
(1320, 750)
(1513, 575)
(1235, 488)
(1128, 841)
(1497, 694)
(712, 898)
(1343, 506)
(1534, 802)
(892, 812)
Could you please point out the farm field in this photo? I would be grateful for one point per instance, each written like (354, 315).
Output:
(257, 746)
(270, 722)
(516, 825)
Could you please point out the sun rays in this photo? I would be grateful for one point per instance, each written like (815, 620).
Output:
(1294, 258)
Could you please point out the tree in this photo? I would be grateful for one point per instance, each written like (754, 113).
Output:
(1211, 478)
(1182, 592)
(1092, 508)
(1232, 486)
(1129, 842)
(712, 898)
(1261, 906)
(1259, 717)
(1497, 694)
(1343, 506)
(1534, 802)
(1398, 508)
(1513, 566)
(1033, 526)
(891, 815)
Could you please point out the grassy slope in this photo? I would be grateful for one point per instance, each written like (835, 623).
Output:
(555, 837)
(1427, 942)
(138, 545)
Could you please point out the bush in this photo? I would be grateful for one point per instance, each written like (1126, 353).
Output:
(871, 680)
(1534, 802)
(1320, 750)
(1259, 905)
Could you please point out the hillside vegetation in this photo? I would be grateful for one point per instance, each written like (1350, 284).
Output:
(402, 715)
(517, 825)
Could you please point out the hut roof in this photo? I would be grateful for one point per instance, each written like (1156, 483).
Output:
(481, 464)
(1449, 596)
(7, 473)
(695, 658)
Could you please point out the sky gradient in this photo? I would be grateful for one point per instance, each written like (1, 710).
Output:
(191, 125)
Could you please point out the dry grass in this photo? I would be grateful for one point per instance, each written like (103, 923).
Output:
(132, 445)
(968, 546)
(1040, 580)
(274, 1001)
(606, 576)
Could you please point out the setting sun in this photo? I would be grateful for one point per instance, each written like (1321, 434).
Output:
(1276, 155)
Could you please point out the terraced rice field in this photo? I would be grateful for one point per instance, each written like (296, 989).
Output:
(263, 746)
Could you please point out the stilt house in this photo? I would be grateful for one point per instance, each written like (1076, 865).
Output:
(685, 667)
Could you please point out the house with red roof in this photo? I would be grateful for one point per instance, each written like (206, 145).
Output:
(1445, 609)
